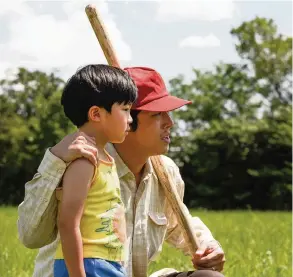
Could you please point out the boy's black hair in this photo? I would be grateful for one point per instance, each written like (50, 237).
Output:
(96, 85)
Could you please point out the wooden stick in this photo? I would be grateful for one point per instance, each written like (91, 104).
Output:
(169, 187)
(102, 35)
(181, 212)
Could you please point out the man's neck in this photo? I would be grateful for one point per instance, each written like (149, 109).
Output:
(135, 163)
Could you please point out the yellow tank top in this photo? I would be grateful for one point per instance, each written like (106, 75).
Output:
(102, 224)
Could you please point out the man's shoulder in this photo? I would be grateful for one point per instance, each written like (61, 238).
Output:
(173, 171)
(169, 163)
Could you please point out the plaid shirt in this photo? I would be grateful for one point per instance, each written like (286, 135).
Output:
(149, 218)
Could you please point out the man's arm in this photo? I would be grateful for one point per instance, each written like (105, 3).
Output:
(76, 183)
(210, 248)
(37, 213)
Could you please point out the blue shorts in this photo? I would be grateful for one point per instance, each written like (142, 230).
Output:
(93, 268)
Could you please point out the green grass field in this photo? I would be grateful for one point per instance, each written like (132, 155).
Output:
(257, 244)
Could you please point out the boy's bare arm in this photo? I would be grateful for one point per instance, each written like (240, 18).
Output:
(76, 183)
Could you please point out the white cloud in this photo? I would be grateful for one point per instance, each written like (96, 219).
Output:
(200, 42)
(43, 42)
(13, 6)
(174, 10)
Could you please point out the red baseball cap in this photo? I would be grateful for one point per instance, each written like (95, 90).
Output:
(152, 93)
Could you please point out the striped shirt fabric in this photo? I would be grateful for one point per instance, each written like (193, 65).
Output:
(149, 217)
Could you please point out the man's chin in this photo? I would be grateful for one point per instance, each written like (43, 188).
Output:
(164, 150)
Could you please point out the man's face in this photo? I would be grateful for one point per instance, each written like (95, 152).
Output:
(153, 132)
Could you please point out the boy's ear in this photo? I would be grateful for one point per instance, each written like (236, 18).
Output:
(94, 114)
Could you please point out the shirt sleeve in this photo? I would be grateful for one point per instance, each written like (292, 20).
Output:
(174, 234)
(37, 213)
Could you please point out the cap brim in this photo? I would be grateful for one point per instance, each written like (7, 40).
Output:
(164, 104)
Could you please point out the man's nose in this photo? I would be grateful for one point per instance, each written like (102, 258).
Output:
(167, 119)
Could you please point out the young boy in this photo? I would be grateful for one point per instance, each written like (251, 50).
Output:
(91, 220)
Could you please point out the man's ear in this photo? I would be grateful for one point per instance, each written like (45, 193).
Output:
(94, 114)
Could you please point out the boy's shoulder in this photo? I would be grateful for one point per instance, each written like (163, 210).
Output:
(84, 162)
(80, 167)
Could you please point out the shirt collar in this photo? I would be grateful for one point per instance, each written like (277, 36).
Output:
(148, 170)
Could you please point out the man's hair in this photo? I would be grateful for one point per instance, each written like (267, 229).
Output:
(134, 123)
(96, 85)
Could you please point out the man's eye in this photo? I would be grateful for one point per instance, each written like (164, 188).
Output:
(156, 114)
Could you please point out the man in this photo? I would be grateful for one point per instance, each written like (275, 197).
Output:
(149, 216)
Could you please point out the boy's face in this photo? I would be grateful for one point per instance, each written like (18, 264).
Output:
(116, 124)
(153, 132)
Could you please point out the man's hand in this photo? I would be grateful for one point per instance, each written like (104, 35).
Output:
(210, 256)
(75, 146)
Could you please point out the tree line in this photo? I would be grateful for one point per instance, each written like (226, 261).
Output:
(232, 144)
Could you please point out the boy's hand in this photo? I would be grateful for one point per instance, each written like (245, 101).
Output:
(75, 146)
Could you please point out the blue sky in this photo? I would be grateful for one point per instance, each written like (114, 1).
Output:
(170, 36)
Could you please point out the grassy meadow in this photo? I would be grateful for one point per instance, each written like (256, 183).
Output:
(257, 244)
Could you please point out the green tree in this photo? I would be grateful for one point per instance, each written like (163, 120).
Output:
(32, 119)
(233, 143)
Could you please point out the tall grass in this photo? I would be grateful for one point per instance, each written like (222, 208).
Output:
(257, 244)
